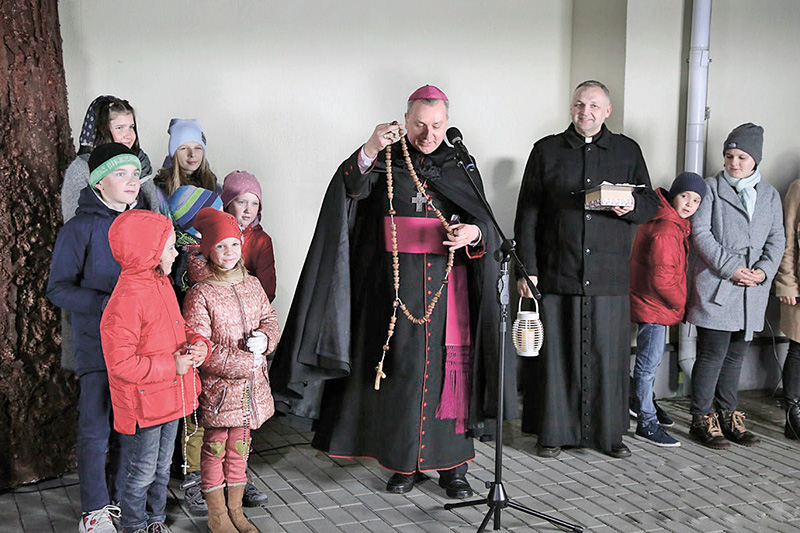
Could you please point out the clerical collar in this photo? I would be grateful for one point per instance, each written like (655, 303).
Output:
(587, 140)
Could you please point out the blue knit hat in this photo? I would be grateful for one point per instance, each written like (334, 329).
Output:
(182, 131)
(187, 201)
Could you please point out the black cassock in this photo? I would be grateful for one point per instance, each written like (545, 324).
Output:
(324, 367)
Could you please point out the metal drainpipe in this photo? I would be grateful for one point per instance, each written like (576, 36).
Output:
(696, 116)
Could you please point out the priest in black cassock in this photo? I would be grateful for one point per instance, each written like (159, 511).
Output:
(415, 401)
(576, 391)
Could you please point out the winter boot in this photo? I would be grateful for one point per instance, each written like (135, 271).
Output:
(243, 525)
(792, 428)
(705, 430)
(218, 520)
(732, 423)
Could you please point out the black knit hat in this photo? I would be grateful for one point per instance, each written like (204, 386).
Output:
(687, 181)
(747, 138)
(108, 157)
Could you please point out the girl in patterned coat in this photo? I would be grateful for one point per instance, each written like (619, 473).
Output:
(231, 308)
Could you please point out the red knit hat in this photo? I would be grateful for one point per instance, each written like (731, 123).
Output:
(215, 226)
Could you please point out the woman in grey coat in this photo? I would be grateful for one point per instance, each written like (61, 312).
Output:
(738, 235)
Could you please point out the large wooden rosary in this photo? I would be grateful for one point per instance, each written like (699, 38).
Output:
(398, 303)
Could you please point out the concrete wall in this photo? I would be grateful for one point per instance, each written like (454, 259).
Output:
(287, 90)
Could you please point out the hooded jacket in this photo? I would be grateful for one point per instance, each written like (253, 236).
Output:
(659, 265)
(83, 274)
(227, 313)
(259, 258)
(142, 327)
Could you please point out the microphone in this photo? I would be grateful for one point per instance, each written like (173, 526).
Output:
(454, 138)
(528, 331)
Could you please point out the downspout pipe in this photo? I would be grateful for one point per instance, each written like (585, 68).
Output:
(694, 160)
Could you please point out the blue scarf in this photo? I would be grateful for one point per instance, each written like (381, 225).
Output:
(746, 189)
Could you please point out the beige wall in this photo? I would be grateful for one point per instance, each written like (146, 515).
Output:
(754, 76)
(287, 90)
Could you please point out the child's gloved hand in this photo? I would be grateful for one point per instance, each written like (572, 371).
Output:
(258, 344)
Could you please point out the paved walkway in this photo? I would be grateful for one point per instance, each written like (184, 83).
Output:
(687, 489)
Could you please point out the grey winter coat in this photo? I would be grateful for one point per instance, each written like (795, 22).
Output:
(725, 240)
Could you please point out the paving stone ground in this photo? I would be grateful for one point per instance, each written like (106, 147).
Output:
(678, 490)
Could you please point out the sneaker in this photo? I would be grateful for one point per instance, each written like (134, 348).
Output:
(663, 418)
(253, 497)
(655, 434)
(193, 496)
(99, 521)
(157, 527)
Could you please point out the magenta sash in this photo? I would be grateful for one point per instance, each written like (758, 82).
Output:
(417, 235)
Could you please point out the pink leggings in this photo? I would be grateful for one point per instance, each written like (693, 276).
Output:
(220, 461)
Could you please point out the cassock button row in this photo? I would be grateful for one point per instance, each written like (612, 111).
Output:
(587, 282)
(423, 434)
(424, 418)
(588, 251)
(588, 216)
(430, 264)
(346, 173)
(588, 180)
(424, 404)
(422, 446)
(429, 292)
(429, 278)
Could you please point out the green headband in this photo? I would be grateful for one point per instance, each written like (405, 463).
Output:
(111, 165)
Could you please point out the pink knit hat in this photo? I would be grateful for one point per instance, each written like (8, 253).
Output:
(428, 92)
(237, 183)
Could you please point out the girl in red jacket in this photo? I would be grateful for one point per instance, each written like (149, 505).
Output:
(659, 263)
(241, 197)
(229, 307)
(150, 354)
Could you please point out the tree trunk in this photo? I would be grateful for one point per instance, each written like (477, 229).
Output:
(38, 413)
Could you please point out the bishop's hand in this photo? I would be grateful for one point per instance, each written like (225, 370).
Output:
(384, 135)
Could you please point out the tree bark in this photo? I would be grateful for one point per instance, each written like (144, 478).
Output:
(38, 414)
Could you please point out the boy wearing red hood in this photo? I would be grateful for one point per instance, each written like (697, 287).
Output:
(150, 354)
(659, 264)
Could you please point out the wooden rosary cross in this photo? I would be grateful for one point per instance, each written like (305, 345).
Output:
(379, 375)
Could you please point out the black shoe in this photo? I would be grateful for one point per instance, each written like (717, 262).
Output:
(402, 483)
(705, 430)
(792, 428)
(620, 451)
(732, 423)
(548, 452)
(455, 485)
(253, 497)
(662, 416)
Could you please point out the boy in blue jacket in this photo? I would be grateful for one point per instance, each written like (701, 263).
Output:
(82, 276)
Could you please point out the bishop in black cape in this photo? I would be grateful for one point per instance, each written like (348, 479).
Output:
(324, 367)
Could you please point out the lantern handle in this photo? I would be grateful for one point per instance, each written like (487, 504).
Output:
(535, 304)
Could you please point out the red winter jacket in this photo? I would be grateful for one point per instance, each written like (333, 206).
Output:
(659, 264)
(142, 327)
(259, 258)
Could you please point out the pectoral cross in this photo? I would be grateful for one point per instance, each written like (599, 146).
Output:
(420, 200)
(379, 375)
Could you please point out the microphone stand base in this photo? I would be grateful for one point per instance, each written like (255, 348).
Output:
(497, 500)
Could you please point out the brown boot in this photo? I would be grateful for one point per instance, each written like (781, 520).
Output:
(218, 521)
(705, 430)
(243, 525)
(732, 423)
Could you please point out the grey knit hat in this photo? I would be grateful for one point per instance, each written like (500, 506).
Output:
(747, 138)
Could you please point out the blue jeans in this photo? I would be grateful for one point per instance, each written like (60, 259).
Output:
(715, 376)
(147, 475)
(95, 434)
(650, 342)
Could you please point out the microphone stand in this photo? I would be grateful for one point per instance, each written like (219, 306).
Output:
(498, 499)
